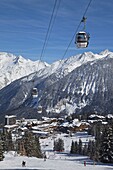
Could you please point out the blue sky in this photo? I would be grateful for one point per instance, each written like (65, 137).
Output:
(24, 23)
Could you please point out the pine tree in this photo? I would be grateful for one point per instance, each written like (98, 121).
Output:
(96, 152)
(89, 148)
(92, 150)
(106, 146)
(85, 150)
(7, 142)
(32, 145)
(28, 144)
(59, 145)
(55, 145)
(76, 147)
(72, 151)
(38, 148)
(21, 147)
(1, 151)
(80, 146)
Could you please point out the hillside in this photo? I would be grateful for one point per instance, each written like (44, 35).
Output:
(80, 84)
(14, 67)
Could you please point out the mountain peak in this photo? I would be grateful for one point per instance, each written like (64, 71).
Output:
(78, 84)
(105, 52)
(19, 59)
(14, 67)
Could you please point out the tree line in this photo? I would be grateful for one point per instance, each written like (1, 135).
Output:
(27, 145)
(100, 149)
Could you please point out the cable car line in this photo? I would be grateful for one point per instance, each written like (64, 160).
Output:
(35, 94)
(52, 24)
(47, 33)
(82, 37)
(87, 8)
(82, 20)
(76, 29)
(48, 29)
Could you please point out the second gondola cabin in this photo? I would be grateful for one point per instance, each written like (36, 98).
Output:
(82, 39)
(34, 92)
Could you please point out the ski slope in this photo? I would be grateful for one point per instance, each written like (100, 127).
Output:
(55, 160)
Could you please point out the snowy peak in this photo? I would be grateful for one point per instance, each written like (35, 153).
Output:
(19, 59)
(14, 67)
(69, 64)
(105, 52)
(6, 59)
(82, 82)
(87, 89)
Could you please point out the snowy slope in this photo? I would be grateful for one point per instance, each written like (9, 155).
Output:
(13, 67)
(60, 162)
(79, 83)
(69, 64)
(88, 86)
(55, 160)
(62, 68)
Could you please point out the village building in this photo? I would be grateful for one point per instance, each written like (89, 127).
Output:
(10, 123)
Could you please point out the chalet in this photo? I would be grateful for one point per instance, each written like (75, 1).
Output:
(95, 118)
(75, 126)
(10, 120)
(10, 123)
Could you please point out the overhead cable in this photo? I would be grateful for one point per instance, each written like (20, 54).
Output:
(76, 30)
(47, 33)
(55, 15)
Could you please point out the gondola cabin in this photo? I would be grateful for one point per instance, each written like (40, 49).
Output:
(34, 92)
(82, 39)
(39, 109)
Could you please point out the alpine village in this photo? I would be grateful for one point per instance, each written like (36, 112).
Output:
(47, 111)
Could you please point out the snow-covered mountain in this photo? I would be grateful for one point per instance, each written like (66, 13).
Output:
(81, 83)
(14, 67)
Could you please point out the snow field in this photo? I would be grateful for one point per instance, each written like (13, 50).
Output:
(55, 160)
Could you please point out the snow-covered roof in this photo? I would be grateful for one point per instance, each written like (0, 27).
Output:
(75, 122)
(40, 132)
(65, 124)
(53, 124)
(109, 116)
(31, 120)
(96, 116)
(23, 128)
(10, 126)
(92, 121)
(104, 123)
(10, 116)
(36, 128)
